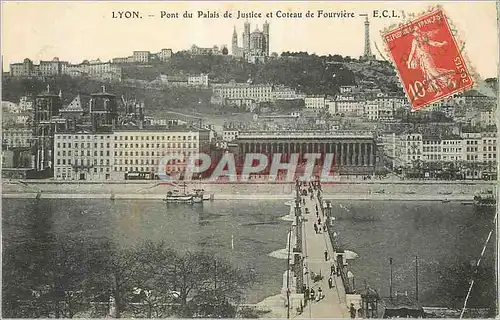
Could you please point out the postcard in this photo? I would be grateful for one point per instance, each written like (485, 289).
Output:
(249, 159)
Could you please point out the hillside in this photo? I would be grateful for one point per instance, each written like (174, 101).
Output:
(307, 73)
(310, 74)
(155, 100)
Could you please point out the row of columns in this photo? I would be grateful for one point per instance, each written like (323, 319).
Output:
(346, 154)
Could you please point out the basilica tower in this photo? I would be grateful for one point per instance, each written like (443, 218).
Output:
(246, 36)
(234, 43)
(266, 38)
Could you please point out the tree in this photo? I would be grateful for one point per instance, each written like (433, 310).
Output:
(221, 290)
(158, 279)
(337, 58)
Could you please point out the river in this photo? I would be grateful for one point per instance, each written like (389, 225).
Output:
(246, 232)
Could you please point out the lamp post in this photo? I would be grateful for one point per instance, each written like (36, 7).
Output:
(390, 284)
(288, 276)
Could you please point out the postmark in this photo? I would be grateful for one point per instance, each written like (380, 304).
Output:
(429, 58)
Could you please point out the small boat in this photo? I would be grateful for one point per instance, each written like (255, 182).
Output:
(445, 201)
(445, 193)
(177, 197)
(200, 193)
(485, 201)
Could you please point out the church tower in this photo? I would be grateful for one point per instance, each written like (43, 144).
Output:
(246, 36)
(234, 43)
(266, 38)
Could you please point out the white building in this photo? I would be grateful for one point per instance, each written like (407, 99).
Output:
(489, 147)
(285, 93)
(17, 137)
(330, 105)
(25, 104)
(229, 135)
(347, 89)
(487, 118)
(475, 152)
(141, 56)
(371, 109)
(99, 70)
(83, 156)
(123, 154)
(348, 105)
(10, 107)
(315, 102)
(232, 92)
(411, 148)
(198, 81)
(141, 151)
(165, 54)
(21, 119)
(472, 144)
(452, 148)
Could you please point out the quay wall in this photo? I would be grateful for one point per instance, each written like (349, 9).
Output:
(373, 190)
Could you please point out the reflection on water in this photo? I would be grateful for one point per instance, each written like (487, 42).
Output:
(438, 233)
(441, 235)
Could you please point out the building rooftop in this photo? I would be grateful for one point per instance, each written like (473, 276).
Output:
(244, 84)
(306, 134)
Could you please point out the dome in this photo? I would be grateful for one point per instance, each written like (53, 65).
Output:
(257, 31)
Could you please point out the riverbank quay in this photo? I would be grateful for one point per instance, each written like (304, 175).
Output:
(366, 190)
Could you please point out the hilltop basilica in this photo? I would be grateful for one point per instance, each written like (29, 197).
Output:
(255, 44)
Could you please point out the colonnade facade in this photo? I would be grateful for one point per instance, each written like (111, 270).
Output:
(347, 153)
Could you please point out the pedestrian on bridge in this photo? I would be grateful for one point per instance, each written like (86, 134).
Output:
(316, 228)
(311, 294)
(332, 269)
(326, 255)
(330, 282)
(352, 311)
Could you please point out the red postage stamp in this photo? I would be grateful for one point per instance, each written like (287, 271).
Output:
(428, 59)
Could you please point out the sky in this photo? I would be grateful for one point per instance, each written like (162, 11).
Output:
(75, 31)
